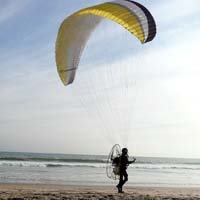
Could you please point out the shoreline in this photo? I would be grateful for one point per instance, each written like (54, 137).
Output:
(54, 191)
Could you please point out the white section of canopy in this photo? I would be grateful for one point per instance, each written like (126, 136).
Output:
(76, 35)
(138, 12)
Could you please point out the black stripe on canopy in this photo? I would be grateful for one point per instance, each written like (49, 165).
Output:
(151, 21)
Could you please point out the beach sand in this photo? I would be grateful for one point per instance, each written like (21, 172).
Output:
(54, 192)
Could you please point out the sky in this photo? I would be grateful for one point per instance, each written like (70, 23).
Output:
(145, 97)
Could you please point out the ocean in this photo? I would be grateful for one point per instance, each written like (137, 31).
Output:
(91, 170)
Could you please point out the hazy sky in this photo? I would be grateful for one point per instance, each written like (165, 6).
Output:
(143, 96)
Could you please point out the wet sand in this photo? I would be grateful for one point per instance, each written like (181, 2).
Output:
(55, 192)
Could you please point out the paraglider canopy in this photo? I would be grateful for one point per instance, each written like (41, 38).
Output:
(75, 31)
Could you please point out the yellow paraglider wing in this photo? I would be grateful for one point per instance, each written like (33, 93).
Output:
(75, 31)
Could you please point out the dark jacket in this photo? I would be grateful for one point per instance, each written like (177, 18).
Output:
(124, 162)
